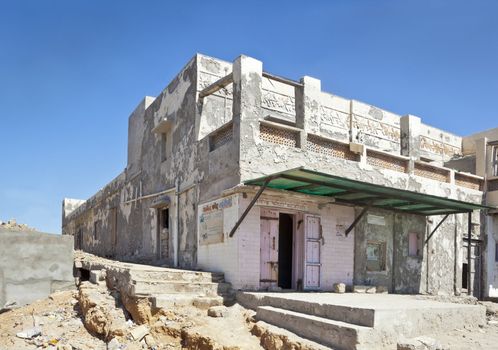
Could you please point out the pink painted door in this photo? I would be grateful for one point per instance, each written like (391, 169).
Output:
(312, 244)
(269, 248)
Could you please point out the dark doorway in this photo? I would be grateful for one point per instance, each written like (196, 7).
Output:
(464, 275)
(162, 233)
(285, 236)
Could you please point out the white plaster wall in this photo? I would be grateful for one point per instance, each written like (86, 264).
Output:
(338, 250)
(221, 257)
(239, 257)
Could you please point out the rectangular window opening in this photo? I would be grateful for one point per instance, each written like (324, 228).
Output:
(164, 146)
(495, 160)
(95, 228)
(165, 218)
(376, 256)
(414, 245)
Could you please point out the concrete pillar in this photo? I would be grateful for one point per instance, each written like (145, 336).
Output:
(410, 136)
(247, 94)
(481, 157)
(308, 105)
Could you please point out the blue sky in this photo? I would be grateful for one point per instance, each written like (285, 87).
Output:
(71, 72)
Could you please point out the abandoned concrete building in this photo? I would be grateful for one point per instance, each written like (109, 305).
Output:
(276, 183)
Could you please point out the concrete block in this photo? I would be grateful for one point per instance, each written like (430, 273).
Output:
(339, 288)
(364, 289)
(218, 311)
(97, 277)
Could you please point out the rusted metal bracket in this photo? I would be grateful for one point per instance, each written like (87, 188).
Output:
(358, 218)
(251, 204)
(435, 229)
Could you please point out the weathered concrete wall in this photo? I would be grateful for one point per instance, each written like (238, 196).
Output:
(33, 265)
(190, 171)
(217, 142)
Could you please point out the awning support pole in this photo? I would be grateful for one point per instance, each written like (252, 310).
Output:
(358, 218)
(435, 229)
(249, 207)
(469, 240)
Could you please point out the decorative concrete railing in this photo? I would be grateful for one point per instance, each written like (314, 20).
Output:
(387, 161)
(279, 134)
(315, 143)
(221, 136)
(290, 136)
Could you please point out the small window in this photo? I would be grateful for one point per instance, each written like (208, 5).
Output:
(496, 252)
(164, 146)
(95, 228)
(414, 244)
(376, 256)
(495, 161)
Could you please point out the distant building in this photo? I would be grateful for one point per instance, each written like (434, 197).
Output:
(345, 191)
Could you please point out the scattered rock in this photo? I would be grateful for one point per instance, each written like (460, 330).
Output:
(491, 308)
(218, 311)
(382, 290)
(139, 308)
(150, 341)
(113, 344)
(420, 343)
(339, 288)
(364, 289)
(9, 306)
(139, 332)
(29, 333)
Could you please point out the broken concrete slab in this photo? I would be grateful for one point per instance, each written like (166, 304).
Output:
(30, 333)
(138, 333)
(218, 311)
(364, 289)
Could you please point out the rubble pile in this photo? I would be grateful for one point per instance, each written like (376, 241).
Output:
(12, 225)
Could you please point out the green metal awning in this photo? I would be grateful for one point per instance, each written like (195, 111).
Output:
(352, 192)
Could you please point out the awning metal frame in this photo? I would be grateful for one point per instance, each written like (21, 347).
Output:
(357, 220)
(249, 207)
(435, 229)
(370, 195)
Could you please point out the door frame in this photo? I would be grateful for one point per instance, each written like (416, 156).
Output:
(295, 241)
(305, 250)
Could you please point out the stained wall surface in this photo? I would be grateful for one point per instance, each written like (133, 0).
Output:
(185, 150)
(33, 265)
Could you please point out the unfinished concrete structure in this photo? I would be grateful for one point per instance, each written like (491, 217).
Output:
(276, 183)
(33, 265)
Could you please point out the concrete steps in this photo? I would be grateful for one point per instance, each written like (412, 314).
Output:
(357, 315)
(177, 275)
(336, 334)
(145, 287)
(169, 301)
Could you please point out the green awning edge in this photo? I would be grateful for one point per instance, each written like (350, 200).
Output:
(312, 182)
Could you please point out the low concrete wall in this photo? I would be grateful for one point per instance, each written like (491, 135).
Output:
(33, 265)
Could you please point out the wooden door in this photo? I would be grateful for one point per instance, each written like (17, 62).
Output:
(312, 252)
(269, 248)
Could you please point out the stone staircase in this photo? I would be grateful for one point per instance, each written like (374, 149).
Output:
(164, 287)
(171, 287)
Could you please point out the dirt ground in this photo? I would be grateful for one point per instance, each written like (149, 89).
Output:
(60, 322)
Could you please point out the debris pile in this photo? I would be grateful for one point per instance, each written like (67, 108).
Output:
(12, 225)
